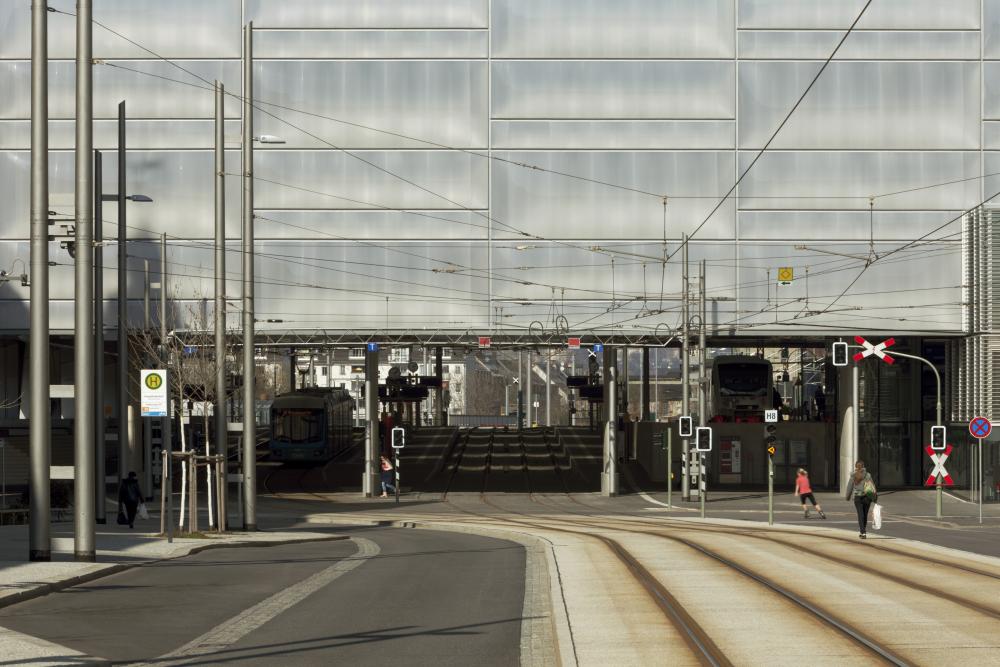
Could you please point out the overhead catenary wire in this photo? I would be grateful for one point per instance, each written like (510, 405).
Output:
(655, 194)
(781, 125)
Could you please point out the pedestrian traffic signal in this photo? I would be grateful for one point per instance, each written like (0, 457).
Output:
(770, 438)
(840, 353)
(684, 427)
(938, 438)
(703, 441)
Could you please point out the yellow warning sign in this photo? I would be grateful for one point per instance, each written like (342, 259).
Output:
(786, 275)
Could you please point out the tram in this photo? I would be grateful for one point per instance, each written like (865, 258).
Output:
(311, 425)
(741, 388)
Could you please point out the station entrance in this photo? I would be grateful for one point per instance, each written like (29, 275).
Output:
(532, 417)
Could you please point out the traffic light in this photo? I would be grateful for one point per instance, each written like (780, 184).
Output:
(840, 353)
(684, 428)
(703, 441)
(938, 438)
(770, 439)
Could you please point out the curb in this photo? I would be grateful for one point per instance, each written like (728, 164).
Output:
(115, 568)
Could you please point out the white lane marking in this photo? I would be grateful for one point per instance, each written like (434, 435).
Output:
(650, 499)
(961, 500)
(19, 648)
(229, 632)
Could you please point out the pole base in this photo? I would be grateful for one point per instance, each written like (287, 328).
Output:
(40, 555)
(609, 484)
(250, 527)
(370, 485)
(85, 556)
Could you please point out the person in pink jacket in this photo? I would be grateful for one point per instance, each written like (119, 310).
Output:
(804, 491)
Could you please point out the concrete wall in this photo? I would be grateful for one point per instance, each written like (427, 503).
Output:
(800, 444)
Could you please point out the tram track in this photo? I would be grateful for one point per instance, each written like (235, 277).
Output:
(697, 639)
(795, 544)
(675, 611)
(755, 530)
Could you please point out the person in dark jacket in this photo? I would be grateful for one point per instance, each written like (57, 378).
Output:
(862, 489)
(129, 497)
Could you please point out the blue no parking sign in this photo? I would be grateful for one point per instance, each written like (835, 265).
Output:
(980, 427)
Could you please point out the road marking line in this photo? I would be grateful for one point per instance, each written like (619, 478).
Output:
(229, 632)
(650, 499)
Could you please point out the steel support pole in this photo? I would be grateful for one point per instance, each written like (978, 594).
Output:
(221, 428)
(371, 427)
(528, 401)
(981, 480)
(656, 383)
(669, 437)
(520, 390)
(685, 372)
(645, 414)
(166, 424)
(855, 407)
(548, 388)
(39, 424)
(702, 385)
(439, 389)
(126, 451)
(100, 423)
(770, 490)
(124, 434)
(249, 372)
(84, 548)
(145, 294)
(147, 427)
(609, 481)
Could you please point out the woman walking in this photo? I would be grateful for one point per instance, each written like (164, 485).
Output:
(388, 477)
(862, 489)
(804, 491)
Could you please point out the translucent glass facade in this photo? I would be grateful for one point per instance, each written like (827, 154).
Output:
(407, 197)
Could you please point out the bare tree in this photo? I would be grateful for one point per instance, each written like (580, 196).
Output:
(190, 361)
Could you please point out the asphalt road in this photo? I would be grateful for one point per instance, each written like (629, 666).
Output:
(425, 598)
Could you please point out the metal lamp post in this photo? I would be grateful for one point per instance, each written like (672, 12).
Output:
(249, 388)
(120, 199)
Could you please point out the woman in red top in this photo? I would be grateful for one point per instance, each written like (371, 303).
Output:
(804, 491)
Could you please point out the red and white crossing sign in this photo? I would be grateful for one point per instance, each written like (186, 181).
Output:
(573, 343)
(938, 459)
(485, 342)
(877, 350)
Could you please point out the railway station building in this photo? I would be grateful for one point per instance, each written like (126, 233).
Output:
(432, 173)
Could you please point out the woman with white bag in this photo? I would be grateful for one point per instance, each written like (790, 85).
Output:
(863, 490)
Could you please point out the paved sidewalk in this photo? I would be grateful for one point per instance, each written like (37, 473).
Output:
(117, 549)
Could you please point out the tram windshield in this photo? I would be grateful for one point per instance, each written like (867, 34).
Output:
(742, 378)
(296, 424)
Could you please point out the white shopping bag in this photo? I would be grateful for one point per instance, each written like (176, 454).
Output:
(877, 516)
(143, 512)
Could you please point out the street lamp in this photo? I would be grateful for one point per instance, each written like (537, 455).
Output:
(100, 425)
(269, 139)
